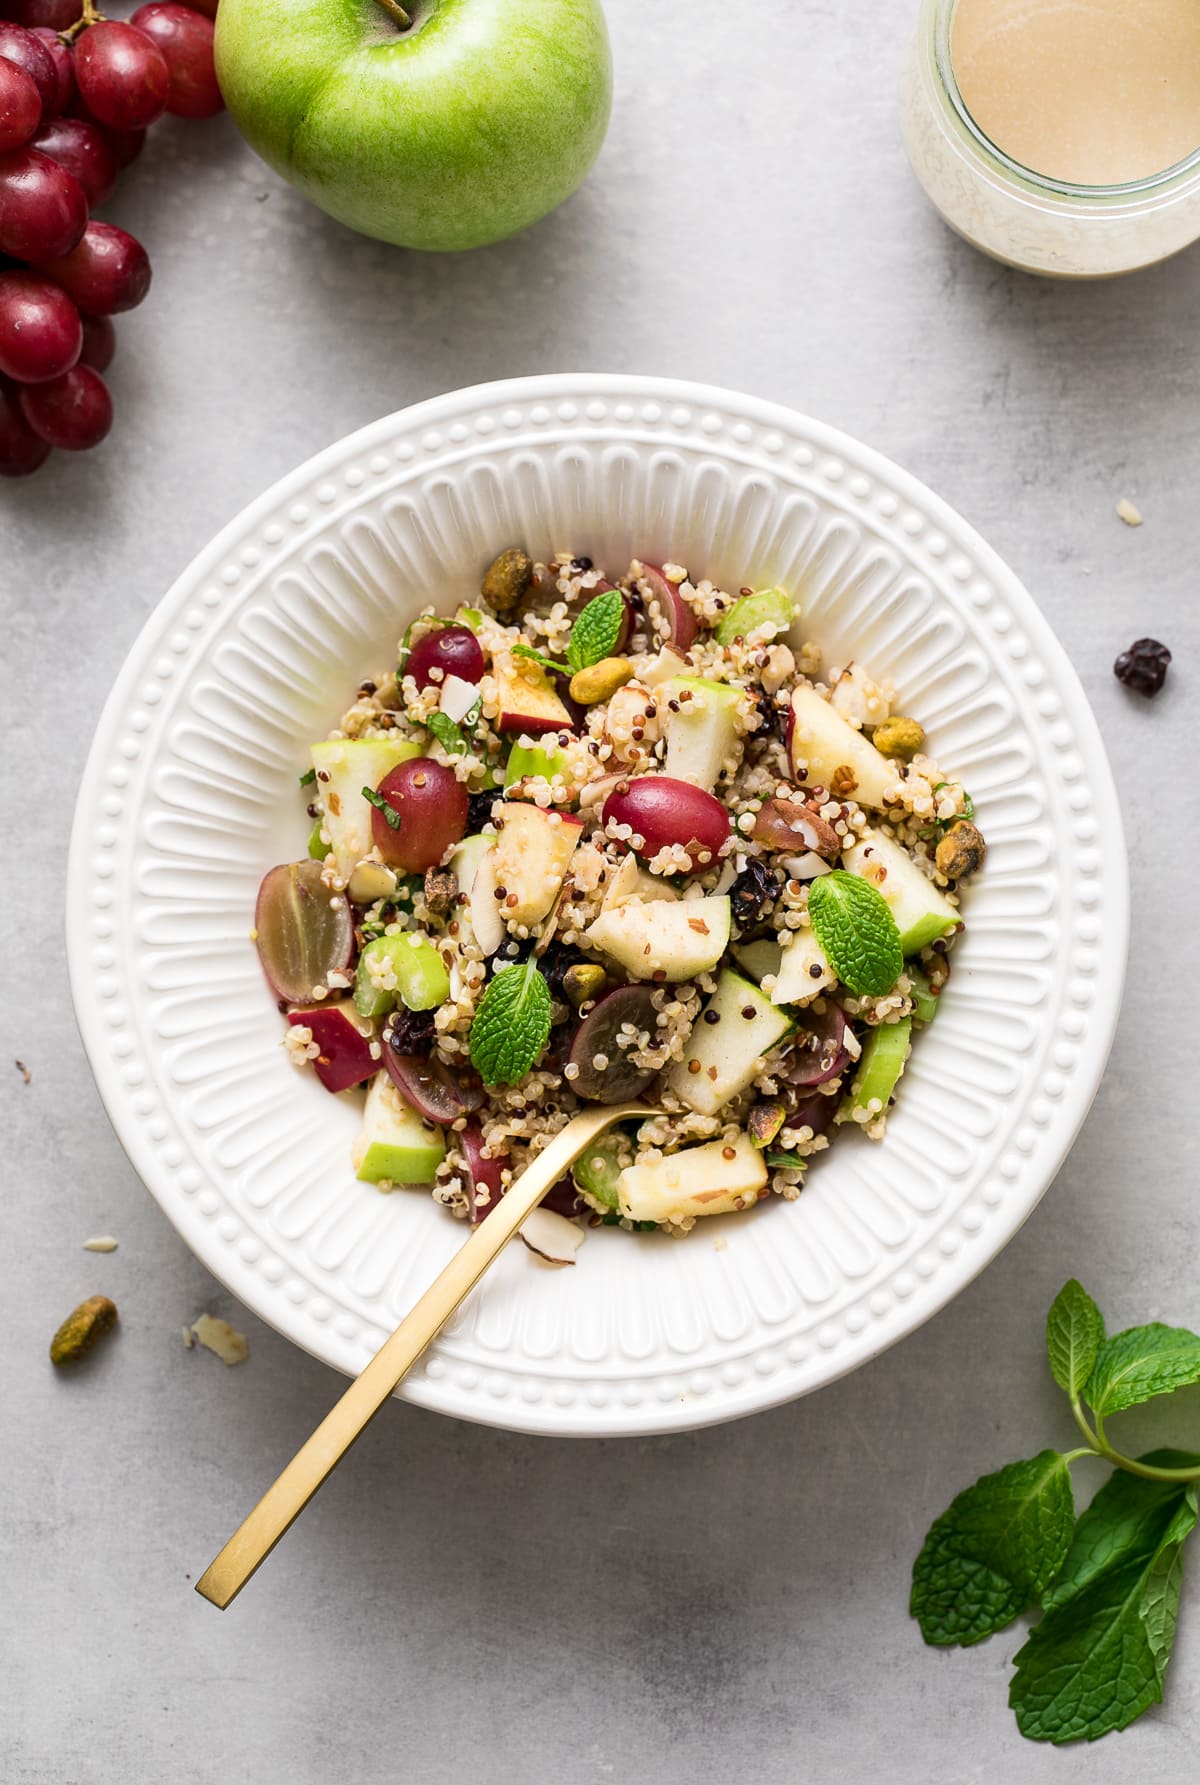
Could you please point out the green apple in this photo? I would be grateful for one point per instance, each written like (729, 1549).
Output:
(465, 126)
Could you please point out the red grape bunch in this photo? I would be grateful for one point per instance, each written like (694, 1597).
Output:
(77, 94)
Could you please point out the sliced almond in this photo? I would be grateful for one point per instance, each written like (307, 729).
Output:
(553, 1237)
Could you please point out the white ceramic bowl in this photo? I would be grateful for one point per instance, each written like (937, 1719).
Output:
(190, 794)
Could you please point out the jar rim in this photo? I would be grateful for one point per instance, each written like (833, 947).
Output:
(942, 20)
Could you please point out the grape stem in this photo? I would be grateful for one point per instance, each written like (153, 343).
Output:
(91, 15)
(391, 7)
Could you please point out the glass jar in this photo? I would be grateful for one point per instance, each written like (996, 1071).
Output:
(1021, 217)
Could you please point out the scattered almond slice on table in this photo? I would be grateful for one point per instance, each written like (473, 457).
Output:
(221, 1339)
(1129, 512)
(103, 1242)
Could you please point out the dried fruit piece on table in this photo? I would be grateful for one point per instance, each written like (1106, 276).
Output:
(80, 1330)
(1143, 667)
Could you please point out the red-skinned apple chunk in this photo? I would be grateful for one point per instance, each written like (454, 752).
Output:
(528, 701)
(431, 804)
(345, 1058)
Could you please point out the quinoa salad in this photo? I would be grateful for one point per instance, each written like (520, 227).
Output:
(595, 841)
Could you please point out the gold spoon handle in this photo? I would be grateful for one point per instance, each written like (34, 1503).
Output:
(286, 1499)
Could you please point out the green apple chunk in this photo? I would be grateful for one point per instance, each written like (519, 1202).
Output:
(822, 742)
(395, 1144)
(738, 1025)
(467, 126)
(922, 913)
(925, 999)
(344, 767)
(534, 761)
(702, 733)
(677, 938)
(700, 1180)
(773, 608)
(883, 1058)
(803, 972)
(406, 967)
(532, 854)
(757, 959)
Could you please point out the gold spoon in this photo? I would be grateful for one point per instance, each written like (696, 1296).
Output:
(286, 1499)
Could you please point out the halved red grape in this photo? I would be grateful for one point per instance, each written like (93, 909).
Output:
(43, 208)
(20, 105)
(64, 66)
(40, 331)
(73, 411)
(123, 78)
(21, 47)
(819, 1051)
(99, 342)
(106, 272)
(185, 38)
(815, 1112)
(663, 813)
(680, 619)
(85, 151)
(20, 449)
(431, 804)
(599, 1036)
(454, 650)
(425, 1083)
(303, 931)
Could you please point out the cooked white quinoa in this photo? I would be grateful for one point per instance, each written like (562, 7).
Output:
(620, 739)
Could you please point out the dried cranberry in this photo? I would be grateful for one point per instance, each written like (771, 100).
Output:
(479, 812)
(752, 889)
(410, 1031)
(1143, 666)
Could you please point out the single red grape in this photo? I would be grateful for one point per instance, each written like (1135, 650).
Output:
(186, 41)
(99, 343)
(22, 47)
(64, 66)
(432, 805)
(664, 813)
(122, 77)
(43, 208)
(452, 649)
(49, 15)
(21, 451)
(20, 105)
(40, 331)
(108, 272)
(74, 411)
(84, 150)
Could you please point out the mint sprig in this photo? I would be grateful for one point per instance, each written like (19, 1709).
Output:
(524, 650)
(511, 1026)
(380, 804)
(595, 633)
(856, 930)
(451, 735)
(1109, 1583)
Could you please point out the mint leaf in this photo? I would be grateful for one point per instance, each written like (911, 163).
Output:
(595, 633)
(857, 932)
(448, 734)
(997, 1547)
(308, 777)
(381, 805)
(511, 1025)
(523, 650)
(1074, 1333)
(1098, 1658)
(1140, 1363)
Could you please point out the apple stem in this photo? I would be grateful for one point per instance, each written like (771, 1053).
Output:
(397, 12)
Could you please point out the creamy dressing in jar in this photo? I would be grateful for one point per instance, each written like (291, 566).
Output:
(1062, 136)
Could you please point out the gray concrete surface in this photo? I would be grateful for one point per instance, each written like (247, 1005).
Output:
(461, 1604)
